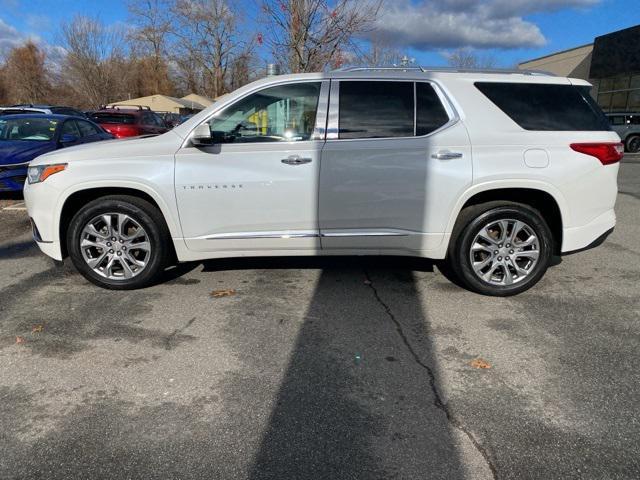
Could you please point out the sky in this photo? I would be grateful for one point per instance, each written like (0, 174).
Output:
(509, 31)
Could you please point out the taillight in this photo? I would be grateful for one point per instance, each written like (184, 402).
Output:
(122, 131)
(607, 153)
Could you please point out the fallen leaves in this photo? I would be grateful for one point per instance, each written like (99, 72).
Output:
(20, 340)
(37, 328)
(480, 363)
(223, 293)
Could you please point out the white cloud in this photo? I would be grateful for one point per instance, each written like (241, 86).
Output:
(433, 24)
(9, 37)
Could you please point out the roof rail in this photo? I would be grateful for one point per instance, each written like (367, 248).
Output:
(116, 106)
(379, 69)
(448, 69)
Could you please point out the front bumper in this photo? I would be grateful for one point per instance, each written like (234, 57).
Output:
(41, 200)
(12, 178)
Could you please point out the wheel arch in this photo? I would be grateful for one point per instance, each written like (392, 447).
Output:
(543, 198)
(74, 200)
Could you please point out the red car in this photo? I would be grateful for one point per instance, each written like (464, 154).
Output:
(129, 121)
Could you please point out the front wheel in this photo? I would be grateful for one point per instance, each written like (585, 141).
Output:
(119, 242)
(501, 248)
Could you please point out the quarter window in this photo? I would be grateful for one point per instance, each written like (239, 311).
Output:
(547, 107)
(376, 109)
(286, 113)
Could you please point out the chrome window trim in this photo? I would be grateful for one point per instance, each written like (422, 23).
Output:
(322, 112)
(323, 89)
(334, 109)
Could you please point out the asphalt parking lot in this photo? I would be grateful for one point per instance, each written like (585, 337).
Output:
(321, 368)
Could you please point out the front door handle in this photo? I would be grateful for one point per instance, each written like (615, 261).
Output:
(446, 155)
(295, 160)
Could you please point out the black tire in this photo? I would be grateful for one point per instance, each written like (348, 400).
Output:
(143, 212)
(475, 218)
(632, 144)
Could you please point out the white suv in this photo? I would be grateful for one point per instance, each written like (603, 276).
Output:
(493, 172)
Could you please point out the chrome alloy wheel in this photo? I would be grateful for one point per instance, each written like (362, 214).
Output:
(504, 252)
(115, 246)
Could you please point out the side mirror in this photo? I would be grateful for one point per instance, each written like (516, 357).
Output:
(202, 136)
(68, 138)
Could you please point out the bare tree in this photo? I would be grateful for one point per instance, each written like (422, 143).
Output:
(153, 28)
(95, 67)
(309, 35)
(209, 39)
(469, 59)
(380, 53)
(26, 78)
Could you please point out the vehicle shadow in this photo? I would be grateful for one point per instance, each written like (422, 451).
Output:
(359, 398)
(11, 196)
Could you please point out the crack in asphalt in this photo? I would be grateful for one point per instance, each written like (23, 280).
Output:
(178, 331)
(437, 399)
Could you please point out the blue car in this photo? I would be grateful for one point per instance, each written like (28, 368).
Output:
(24, 137)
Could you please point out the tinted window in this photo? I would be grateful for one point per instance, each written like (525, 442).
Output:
(69, 128)
(376, 109)
(547, 107)
(86, 129)
(158, 120)
(286, 113)
(430, 114)
(113, 118)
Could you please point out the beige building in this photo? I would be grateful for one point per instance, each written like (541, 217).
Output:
(192, 103)
(574, 63)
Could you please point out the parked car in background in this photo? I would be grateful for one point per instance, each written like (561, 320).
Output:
(47, 109)
(171, 119)
(129, 121)
(493, 173)
(26, 136)
(627, 125)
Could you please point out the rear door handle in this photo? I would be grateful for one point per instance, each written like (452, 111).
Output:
(446, 155)
(295, 160)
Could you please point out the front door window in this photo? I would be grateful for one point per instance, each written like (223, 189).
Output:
(285, 113)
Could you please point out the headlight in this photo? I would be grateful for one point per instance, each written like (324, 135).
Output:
(40, 173)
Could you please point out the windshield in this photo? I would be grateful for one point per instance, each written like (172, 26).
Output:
(113, 118)
(28, 129)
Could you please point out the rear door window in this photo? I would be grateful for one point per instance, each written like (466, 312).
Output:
(376, 109)
(69, 128)
(546, 107)
(430, 113)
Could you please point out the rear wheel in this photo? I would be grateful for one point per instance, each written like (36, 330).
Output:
(633, 144)
(119, 242)
(501, 248)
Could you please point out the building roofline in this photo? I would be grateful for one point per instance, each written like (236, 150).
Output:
(556, 53)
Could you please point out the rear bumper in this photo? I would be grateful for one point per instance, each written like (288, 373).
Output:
(587, 236)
